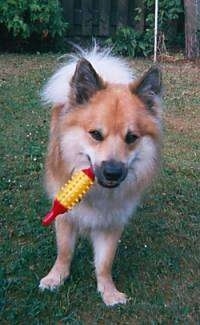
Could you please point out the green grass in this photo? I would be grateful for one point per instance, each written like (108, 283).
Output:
(157, 263)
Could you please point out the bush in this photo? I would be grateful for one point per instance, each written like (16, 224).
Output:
(130, 42)
(31, 24)
(169, 14)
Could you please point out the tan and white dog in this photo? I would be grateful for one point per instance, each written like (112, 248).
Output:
(103, 116)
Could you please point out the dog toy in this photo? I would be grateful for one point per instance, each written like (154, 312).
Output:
(70, 194)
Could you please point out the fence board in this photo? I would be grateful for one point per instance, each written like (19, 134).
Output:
(68, 10)
(139, 25)
(97, 17)
(122, 13)
(87, 17)
(104, 17)
(77, 27)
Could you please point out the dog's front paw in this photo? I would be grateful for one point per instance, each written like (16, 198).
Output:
(52, 281)
(113, 297)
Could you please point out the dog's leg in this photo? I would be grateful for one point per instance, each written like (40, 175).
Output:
(105, 244)
(66, 237)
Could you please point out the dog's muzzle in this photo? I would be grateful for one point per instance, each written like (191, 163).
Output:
(111, 173)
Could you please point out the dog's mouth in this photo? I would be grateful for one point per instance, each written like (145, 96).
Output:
(108, 184)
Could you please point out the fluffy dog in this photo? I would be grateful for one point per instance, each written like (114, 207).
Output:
(103, 117)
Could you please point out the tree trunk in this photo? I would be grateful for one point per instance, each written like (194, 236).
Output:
(192, 28)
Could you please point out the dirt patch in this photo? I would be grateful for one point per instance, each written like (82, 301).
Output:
(14, 66)
(166, 58)
(182, 124)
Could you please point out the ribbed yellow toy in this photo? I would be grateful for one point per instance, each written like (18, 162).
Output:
(70, 194)
(73, 191)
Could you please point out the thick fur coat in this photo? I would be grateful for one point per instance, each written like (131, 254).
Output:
(105, 118)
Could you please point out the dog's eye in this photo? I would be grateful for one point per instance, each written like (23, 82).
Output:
(130, 138)
(96, 134)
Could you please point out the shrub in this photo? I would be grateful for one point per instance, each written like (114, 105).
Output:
(124, 41)
(31, 23)
(168, 18)
(130, 42)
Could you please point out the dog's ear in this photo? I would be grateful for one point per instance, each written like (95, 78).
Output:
(149, 88)
(85, 82)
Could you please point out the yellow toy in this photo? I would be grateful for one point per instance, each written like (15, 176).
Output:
(70, 194)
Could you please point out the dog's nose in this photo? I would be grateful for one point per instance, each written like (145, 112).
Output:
(112, 170)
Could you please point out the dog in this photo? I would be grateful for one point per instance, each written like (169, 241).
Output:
(105, 118)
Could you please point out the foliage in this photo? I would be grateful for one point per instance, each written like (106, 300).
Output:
(129, 41)
(168, 15)
(24, 21)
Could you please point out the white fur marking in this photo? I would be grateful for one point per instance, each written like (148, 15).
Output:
(110, 68)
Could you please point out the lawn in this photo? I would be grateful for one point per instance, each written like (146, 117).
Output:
(158, 260)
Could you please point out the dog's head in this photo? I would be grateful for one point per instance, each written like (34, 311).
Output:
(109, 122)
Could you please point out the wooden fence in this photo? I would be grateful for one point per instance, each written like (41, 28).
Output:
(98, 17)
